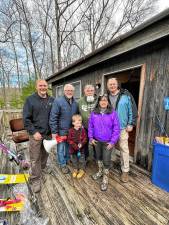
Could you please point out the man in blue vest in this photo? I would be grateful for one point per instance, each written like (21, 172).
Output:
(60, 121)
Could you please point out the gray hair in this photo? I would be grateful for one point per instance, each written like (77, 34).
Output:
(87, 86)
(68, 85)
(113, 78)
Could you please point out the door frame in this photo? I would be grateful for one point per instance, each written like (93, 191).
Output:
(142, 68)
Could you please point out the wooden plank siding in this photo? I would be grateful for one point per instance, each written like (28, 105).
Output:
(155, 57)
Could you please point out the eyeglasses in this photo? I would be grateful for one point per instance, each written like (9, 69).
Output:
(69, 90)
(103, 95)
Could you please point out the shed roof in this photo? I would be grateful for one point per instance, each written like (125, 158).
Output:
(151, 30)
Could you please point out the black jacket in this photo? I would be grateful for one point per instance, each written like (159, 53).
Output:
(36, 112)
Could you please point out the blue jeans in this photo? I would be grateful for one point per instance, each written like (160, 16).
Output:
(63, 153)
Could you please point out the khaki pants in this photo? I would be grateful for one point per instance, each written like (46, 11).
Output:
(124, 150)
(38, 157)
(122, 145)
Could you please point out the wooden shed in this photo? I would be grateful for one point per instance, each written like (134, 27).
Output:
(140, 60)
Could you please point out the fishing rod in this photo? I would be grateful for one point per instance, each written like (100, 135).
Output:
(9, 201)
(162, 128)
(13, 156)
(33, 197)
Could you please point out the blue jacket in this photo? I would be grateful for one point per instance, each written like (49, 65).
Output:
(61, 115)
(124, 111)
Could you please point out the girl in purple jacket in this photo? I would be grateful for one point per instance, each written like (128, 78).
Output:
(103, 132)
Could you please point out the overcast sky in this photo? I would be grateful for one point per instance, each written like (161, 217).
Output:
(163, 4)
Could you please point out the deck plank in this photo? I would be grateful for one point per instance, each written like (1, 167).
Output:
(68, 201)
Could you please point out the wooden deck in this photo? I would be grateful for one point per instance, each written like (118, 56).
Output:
(68, 201)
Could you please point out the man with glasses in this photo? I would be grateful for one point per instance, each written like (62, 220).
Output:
(60, 121)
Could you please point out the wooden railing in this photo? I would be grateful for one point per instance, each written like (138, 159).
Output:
(1, 124)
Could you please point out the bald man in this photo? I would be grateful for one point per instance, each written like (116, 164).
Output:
(36, 113)
(62, 111)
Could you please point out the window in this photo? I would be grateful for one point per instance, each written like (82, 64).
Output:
(77, 94)
(77, 86)
(59, 91)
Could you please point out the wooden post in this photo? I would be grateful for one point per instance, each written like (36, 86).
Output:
(140, 103)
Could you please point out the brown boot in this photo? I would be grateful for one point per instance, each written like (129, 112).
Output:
(65, 170)
(47, 170)
(36, 186)
(124, 177)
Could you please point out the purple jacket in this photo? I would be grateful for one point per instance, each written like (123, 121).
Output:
(104, 127)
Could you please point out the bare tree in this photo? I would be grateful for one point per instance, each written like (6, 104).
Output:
(26, 18)
(106, 19)
(50, 34)
(62, 22)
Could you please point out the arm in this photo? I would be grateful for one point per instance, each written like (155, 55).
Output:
(129, 127)
(116, 129)
(84, 137)
(54, 118)
(130, 113)
(27, 117)
(90, 130)
(90, 127)
(79, 106)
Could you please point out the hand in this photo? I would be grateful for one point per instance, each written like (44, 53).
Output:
(79, 145)
(37, 136)
(94, 142)
(109, 146)
(129, 128)
(54, 136)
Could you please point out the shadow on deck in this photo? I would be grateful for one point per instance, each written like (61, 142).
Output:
(68, 201)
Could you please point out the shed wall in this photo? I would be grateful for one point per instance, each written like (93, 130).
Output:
(155, 56)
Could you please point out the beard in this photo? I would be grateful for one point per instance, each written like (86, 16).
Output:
(90, 98)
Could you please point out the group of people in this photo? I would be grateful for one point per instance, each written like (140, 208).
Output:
(93, 125)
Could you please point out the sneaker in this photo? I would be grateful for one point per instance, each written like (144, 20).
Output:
(80, 174)
(36, 186)
(74, 174)
(65, 170)
(124, 177)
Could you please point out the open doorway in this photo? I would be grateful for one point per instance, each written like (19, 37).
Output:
(130, 80)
